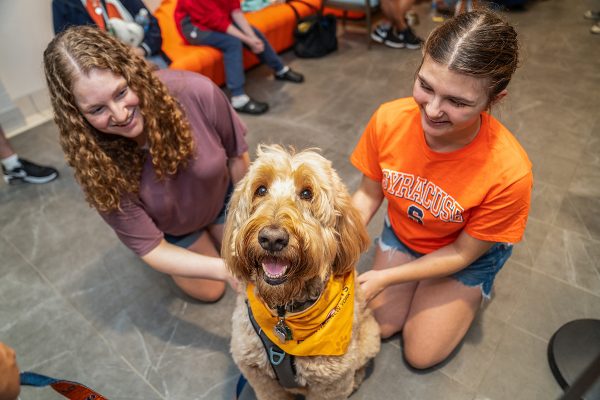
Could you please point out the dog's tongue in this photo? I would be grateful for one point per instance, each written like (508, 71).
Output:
(274, 266)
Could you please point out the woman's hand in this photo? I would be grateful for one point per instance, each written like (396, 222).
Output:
(9, 373)
(372, 283)
(234, 283)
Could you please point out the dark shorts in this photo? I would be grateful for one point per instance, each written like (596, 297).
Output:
(480, 273)
(188, 239)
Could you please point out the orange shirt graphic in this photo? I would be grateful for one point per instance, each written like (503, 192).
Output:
(483, 188)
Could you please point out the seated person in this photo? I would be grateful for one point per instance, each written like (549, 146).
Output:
(221, 24)
(129, 20)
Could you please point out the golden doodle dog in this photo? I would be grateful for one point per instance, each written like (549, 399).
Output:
(292, 237)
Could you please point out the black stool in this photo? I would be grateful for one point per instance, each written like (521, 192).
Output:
(574, 357)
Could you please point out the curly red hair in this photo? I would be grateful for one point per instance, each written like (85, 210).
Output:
(107, 166)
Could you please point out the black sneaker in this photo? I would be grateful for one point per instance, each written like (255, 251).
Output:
(380, 33)
(253, 107)
(30, 173)
(403, 39)
(290, 76)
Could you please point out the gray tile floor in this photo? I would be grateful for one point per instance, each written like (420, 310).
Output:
(76, 304)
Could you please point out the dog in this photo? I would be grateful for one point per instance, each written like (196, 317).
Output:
(292, 238)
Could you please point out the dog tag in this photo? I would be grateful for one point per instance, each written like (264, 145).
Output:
(282, 331)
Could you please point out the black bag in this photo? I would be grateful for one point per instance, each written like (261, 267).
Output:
(315, 35)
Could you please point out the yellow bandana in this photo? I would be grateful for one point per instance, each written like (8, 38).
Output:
(323, 329)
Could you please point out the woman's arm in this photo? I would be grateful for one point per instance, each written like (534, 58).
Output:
(442, 262)
(174, 260)
(367, 198)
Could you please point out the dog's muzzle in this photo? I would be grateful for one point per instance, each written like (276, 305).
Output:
(274, 239)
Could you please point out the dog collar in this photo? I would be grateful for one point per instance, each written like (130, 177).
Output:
(324, 328)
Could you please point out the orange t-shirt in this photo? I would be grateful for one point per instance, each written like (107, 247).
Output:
(483, 188)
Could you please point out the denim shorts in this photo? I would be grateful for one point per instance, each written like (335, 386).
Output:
(188, 239)
(480, 273)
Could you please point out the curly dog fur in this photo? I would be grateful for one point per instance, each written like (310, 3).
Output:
(299, 203)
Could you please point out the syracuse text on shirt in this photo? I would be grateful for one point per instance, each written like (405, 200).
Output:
(424, 193)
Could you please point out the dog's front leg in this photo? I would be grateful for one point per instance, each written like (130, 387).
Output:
(265, 387)
(341, 389)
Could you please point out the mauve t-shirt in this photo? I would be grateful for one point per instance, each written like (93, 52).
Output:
(191, 199)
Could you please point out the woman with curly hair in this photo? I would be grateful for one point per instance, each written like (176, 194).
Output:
(156, 153)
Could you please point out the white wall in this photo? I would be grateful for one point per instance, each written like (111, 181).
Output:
(25, 30)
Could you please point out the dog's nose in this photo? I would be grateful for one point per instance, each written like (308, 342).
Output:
(273, 238)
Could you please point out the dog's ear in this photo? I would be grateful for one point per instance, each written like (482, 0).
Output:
(353, 236)
(238, 211)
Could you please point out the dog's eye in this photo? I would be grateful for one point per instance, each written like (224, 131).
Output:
(306, 194)
(261, 191)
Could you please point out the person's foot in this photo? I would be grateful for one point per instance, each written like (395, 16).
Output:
(591, 14)
(595, 28)
(403, 39)
(29, 172)
(380, 33)
(289, 75)
(252, 107)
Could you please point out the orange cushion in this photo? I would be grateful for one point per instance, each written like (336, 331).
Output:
(340, 13)
(276, 22)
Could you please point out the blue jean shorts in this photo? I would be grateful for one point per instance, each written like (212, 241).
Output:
(188, 239)
(480, 273)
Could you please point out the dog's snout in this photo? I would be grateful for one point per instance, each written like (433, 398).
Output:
(273, 238)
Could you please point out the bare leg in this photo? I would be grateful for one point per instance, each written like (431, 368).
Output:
(391, 306)
(441, 312)
(5, 149)
(202, 289)
(395, 11)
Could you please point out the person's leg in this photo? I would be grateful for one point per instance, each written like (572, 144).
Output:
(269, 56)
(16, 169)
(272, 60)
(440, 314)
(232, 58)
(397, 13)
(391, 306)
(399, 35)
(5, 149)
(202, 289)
(229, 45)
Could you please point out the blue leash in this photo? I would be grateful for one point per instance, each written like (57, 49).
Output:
(241, 383)
(69, 389)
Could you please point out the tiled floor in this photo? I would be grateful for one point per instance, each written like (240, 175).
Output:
(76, 304)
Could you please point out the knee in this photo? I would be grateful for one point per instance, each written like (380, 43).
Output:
(422, 357)
(211, 296)
(207, 291)
(420, 361)
(387, 330)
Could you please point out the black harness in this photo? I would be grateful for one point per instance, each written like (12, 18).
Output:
(283, 364)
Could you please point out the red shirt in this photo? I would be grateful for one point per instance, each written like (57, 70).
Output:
(208, 15)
